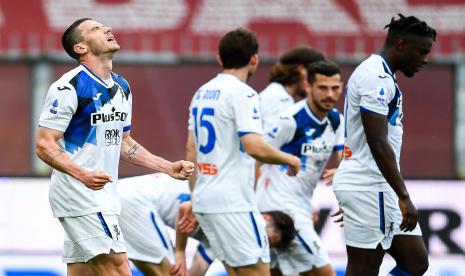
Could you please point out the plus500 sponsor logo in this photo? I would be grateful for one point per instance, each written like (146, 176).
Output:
(100, 117)
(310, 149)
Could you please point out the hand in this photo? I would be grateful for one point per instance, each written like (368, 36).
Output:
(409, 214)
(187, 221)
(294, 167)
(179, 268)
(181, 170)
(95, 180)
(328, 175)
(339, 220)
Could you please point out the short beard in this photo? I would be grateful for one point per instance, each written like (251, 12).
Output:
(321, 106)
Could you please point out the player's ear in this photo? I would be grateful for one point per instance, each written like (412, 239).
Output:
(80, 48)
(218, 59)
(266, 217)
(400, 44)
(254, 60)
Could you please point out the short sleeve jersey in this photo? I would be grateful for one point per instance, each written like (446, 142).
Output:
(92, 114)
(154, 191)
(221, 111)
(372, 87)
(300, 132)
(274, 99)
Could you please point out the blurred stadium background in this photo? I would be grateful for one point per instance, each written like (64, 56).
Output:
(168, 49)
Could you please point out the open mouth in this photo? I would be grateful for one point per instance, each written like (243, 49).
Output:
(111, 38)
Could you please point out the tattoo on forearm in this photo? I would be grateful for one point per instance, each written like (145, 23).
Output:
(132, 152)
(52, 155)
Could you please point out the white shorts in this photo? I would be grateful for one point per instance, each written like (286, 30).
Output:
(146, 234)
(203, 247)
(371, 218)
(307, 252)
(91, 235)
(206, 253)
(239, 238)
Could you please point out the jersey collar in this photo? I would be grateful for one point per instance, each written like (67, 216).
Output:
(96, 78)
(312, 115)
(386, 68)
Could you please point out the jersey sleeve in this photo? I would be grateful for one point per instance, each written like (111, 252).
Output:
(340, 135)
(127, 125)
(281, 131)
(60, 106)
(375, 94)
(246, 109)
(190, 121)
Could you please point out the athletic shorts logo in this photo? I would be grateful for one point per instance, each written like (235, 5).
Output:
(117, 231)
(112, 137)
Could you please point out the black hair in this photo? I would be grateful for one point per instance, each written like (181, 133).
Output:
(285, 74)
(408, 25)
(302, 55)
(284, 225)
(71, 37)
(237, 47)
(325, 67)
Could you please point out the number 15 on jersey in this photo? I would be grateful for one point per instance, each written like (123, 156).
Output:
(201, 121)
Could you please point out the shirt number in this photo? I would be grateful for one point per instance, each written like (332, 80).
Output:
(211, 136)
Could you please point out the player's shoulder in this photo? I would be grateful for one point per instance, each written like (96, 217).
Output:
(335, 118)
(372, 72)
(121, 81)
(65, 81)
(297, 107)
(290, 114)
(275, 92)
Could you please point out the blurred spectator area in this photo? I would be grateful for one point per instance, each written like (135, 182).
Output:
(192, 27)
(162, 93)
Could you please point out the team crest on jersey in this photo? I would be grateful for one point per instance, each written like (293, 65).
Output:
(381, 95)
(273, 132)
(54, 108)
(255, 115)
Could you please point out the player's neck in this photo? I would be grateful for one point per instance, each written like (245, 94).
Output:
(100, 67)
(320, 113)
(387, 53)
(291, 90)
(241, 74)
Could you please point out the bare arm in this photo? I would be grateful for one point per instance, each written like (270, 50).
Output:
(50, 152)
(376, 131)
(191, 155)
(132, 152)
(256, 147)
(328, 174)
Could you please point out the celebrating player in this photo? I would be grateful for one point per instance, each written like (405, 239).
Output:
(379, 215)
(311, 130)
(224, 133)
(83, 132)
(288, 82)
